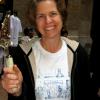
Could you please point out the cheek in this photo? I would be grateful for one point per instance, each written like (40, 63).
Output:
(39, 27)
(60, 23)
(39, 24)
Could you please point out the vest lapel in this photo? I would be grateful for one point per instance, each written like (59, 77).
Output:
(32, 62)
(70, 60)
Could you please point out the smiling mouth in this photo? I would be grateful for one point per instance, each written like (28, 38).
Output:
(49, 28)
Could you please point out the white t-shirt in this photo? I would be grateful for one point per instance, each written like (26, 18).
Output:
(52, 81)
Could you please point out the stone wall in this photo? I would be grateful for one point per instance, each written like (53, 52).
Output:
(79, 20)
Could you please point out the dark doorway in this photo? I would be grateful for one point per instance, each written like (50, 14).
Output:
(5, 5)
(9, 5)
(95, 27)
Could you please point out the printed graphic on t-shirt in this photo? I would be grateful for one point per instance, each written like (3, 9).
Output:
(53, 87)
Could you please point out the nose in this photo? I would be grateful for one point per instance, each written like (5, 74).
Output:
(48, 19)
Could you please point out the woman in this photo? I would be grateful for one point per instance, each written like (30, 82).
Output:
(52, 67)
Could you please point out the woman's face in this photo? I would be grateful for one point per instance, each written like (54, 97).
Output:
(48, 19)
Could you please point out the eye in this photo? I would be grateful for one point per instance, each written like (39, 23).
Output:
(40, 16)
(52, 14)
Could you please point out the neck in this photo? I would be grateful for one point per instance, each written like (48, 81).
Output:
(51, 45)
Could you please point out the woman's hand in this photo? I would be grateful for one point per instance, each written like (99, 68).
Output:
(12, 80)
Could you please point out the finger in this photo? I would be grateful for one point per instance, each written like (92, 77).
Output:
(16, 69)
(8, 70)
(12, 76)
(12, 86)
(13, 82)
(9, 84)
(10, 79)
(13, 90)
(9, 76)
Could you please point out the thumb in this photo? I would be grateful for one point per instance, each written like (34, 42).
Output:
(18, 72)
(16, 69)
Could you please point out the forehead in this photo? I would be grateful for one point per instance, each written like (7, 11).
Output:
(46, 6)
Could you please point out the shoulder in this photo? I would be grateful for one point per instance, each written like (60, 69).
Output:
(72, 43)
(26, 46)
(12, 16)
(17, 18)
